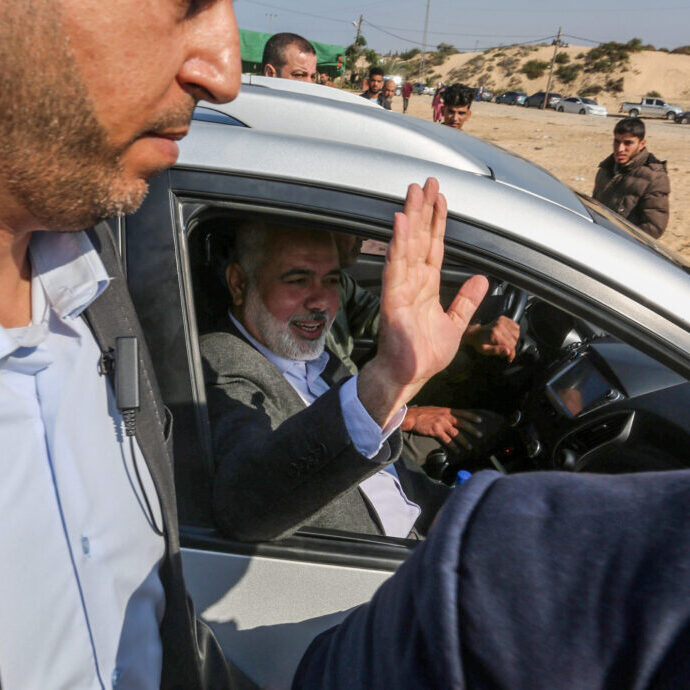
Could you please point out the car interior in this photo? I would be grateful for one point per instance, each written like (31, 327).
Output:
(574, 399)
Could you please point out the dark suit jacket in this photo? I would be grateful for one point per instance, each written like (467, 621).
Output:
(541, 581)
(280, 464)
(192, 658)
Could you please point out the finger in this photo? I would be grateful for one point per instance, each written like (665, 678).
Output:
(461, 442)
(438, 231)
(471, 416)
(431, 189)
(414, 209)
(395, 268)
(470, 429)
(467, 300)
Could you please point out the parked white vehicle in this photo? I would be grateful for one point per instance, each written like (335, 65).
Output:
(581, 106)
(651, 107)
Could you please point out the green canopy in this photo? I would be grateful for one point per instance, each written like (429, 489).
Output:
(329, 58)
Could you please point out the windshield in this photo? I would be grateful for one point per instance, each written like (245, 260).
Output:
(604, 216)
(589, 101)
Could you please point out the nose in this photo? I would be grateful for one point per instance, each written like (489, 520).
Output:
(211, 69)
(319, 297)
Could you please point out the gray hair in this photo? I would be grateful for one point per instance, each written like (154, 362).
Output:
(251, 244)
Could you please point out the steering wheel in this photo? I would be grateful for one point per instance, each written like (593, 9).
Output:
(515, 303)
(509, 301)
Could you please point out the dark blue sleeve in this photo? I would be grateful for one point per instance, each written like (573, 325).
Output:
(533, 581)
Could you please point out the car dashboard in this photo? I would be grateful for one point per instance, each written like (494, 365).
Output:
(599, 405)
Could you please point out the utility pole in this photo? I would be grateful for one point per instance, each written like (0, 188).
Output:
(271, 17)
(359, 27)
(556, 46)
(426, 31)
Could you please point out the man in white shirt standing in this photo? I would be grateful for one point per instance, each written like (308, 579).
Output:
(95, 96)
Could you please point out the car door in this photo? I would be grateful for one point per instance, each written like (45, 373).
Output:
(267, 601)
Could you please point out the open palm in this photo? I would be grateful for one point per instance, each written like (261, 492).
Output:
(417, 338)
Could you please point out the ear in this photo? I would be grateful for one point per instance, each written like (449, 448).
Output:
(270, 71)
(469, 113)
(236, 279)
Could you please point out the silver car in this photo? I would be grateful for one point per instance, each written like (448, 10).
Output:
(581, 106)
(600, 382)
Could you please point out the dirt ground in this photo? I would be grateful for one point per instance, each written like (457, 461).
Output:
(572, 146)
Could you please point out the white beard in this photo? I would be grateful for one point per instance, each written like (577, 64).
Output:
(277, 335)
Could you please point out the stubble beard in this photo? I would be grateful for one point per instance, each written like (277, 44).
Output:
(276, 334)
(56, 158)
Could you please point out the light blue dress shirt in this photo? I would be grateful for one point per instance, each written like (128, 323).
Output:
(395, 511)
(81, 599)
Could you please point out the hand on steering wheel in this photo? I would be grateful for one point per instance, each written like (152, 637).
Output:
(498, 338)
(450, 427)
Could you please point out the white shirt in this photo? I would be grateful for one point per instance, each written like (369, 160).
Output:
(395, 511)
(81, 599)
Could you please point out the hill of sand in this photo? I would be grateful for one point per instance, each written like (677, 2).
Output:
(499, 69)
(571, 147)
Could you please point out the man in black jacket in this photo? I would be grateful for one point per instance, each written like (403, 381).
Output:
(632, 181)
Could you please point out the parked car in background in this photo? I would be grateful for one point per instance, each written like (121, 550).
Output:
(598, 383)
(512, 98)
(421, 89)
(651, 107)
(483, 94)
(581, 106)
(536, 100)
(683, 118)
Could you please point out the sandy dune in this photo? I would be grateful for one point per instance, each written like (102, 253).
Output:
(571, 147)
(668, 74)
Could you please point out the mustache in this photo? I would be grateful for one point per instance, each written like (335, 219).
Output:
(312, 315)
(175, 118)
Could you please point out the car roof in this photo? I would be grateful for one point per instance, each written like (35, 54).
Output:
(313, 114)
(352, 147)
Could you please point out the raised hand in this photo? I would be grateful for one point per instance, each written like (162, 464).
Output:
(417, 338)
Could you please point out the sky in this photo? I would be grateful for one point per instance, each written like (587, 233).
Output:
(398, 25)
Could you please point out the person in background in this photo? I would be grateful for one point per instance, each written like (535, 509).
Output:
(632, 181)
(437, 102)
(457, 105)
(289, 56)
(385, 99)
(406, 93)
(374, 84)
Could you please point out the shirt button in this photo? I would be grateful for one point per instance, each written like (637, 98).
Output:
(85, 546)
(115, 677)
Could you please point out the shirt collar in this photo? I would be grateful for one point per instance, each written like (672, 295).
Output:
(67, 276)
(309, 369)
(70, 270)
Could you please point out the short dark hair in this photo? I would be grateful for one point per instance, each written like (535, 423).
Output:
(375, 71)
(630, 125)
(459, 95)
(274, 50)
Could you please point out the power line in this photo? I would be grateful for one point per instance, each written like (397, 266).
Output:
(303, 14)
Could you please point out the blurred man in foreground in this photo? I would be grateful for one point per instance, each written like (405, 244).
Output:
(289, 56)
(96, 96)
(632, 181)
